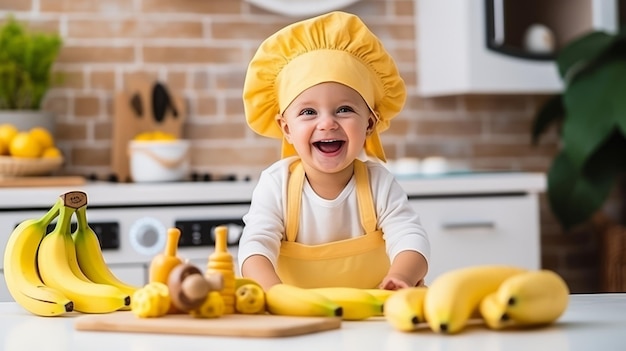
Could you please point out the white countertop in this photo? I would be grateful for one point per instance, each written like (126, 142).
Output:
(107, 194)
(591, 322)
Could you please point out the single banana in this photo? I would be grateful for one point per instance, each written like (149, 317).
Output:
(404, 309)
(90, 258)
(55, 271)
(290, 300)
(357, 304)
(20, 268)
(455, 295)
(532, 298)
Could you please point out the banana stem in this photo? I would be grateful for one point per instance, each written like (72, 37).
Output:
(52, 213)
(171, 246)
(81, 217)
(65, 218)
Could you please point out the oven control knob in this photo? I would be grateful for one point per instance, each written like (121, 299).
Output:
(147, 236)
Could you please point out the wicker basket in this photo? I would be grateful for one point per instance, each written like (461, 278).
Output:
(17, 167)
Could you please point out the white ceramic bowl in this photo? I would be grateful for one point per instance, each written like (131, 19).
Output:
(159, 161)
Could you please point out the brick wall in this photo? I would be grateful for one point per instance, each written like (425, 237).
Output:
(201, 48)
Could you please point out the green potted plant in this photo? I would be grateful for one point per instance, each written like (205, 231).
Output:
(26, 60)
(591, 116)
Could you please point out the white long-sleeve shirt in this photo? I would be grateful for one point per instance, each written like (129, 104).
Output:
(325, 220)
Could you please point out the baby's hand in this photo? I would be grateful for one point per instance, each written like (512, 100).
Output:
(393, 283)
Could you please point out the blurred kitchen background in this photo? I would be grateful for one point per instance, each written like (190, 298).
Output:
(200, 49)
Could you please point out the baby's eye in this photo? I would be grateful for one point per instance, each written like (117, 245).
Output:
(307, 111)
(345, 109)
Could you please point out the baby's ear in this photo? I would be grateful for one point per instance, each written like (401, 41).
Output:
(371, 123)
(283, 125)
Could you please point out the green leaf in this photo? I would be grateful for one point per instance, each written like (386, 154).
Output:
(595, 107)
(551, 112)
(573, 196)
(582, 50)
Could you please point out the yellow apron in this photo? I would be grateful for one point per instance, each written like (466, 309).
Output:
(360, 262)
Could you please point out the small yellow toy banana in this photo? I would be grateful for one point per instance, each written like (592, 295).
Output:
(357, 304)
(532, 298)
(289, 300)
(55, 270)
(89, 255)
(404, 309)
(20, 268)
(152, 300)
(455, 295)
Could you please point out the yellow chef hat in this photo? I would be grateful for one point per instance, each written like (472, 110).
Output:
(335, 47)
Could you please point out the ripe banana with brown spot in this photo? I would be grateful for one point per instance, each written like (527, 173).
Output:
(455, 295)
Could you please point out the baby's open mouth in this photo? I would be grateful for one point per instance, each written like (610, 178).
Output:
(329, 146)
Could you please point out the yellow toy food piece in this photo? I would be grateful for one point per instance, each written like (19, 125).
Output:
(212, 307)
(153, 300)
(250, 299)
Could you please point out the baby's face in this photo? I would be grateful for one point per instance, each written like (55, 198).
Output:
(327, 125)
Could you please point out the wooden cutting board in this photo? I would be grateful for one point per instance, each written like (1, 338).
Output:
(32, 181)
(227, 325)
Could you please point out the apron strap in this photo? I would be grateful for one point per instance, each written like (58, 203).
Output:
(294, 199)
(364, 197)
(295, 184)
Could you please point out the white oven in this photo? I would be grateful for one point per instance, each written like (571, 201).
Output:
(131, 220)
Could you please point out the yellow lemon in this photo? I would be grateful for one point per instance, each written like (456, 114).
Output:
(24, 145)
(43, 136)
(7, 132)
(51, 152)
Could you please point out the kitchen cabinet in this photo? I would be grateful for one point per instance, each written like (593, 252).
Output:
(480, 230)
(479, 218)
(479, 46)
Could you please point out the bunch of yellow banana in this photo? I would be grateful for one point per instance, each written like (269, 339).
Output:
(56, 273)
(528, 299)
(502, 295)
(454, 296)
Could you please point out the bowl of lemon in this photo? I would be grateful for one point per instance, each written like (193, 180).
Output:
(27, 152)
